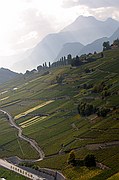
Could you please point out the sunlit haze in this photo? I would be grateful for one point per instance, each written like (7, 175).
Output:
(23, 23)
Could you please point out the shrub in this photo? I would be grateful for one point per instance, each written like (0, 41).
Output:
(71, 158)
(102, 111)
(90, 161)
(86, 109)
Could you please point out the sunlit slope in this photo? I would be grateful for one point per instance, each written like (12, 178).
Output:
(57, 126)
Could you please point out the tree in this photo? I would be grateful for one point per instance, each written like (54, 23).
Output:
(39, 68)
(102, 55)
(28, 72)
(86, 109)
(49, 65)
(45, 64)
(69, 58)
(116, 42)
(65, 62)
(102, 111)
(106, 46)
(90, 161)
(76, 61)
(71, 158)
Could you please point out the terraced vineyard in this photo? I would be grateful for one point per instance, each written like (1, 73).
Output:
(47, 112)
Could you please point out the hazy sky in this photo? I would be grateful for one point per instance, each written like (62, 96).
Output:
(23, 23)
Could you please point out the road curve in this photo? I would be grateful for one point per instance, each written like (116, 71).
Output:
(32, 142)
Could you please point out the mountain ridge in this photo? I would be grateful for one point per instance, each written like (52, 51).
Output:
(50, 46)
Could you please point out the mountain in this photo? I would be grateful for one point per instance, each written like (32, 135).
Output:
(83, 30)
(70, 48)
(46, 50)
(115, 35)
(6, 75)
(94, 46)
(88, 29)
(98, 44)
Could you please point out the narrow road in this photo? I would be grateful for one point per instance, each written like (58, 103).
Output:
(32, 142)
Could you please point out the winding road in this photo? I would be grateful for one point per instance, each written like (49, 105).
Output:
(13, 167)
(32, 142)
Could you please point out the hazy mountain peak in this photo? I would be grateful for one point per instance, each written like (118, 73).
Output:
(84, 30)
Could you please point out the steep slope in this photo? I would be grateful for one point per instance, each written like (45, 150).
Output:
(46, 110)
(6, 75)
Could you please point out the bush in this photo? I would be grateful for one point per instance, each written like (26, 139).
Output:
(86, 109)
(71, 158)
(102, 112)
(90, 161)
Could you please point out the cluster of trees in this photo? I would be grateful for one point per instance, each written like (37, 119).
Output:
(107, 46)
(102, 111)
(74, 61)
(89, 160)
(100, 87)
(69, 60)
(116, 42)
(86, 109)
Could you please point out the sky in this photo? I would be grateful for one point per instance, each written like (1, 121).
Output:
(24, 23)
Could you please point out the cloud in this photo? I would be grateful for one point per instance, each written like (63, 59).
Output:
(91, 3)
(104, 13)
(33, 26)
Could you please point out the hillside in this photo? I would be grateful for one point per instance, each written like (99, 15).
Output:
(6, 75)
(47, 111)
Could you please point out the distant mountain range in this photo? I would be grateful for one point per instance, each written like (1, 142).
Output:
(85, 34)
(6, 75)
